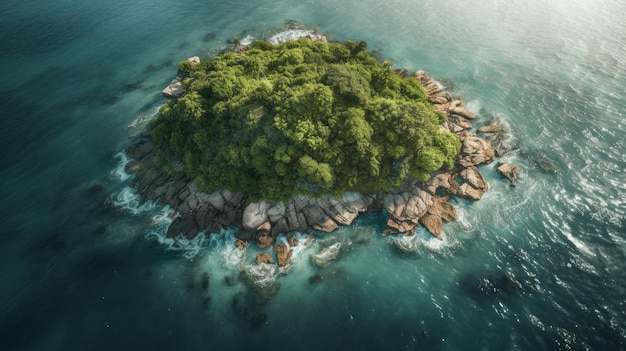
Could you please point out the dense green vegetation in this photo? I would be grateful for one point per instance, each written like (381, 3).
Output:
(301, 117)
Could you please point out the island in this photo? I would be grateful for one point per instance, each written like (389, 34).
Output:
(306, 135)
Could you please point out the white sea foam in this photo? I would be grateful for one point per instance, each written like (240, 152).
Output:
(422, 238)
(406, 243)
(326, 255)
(291, 34)
(190, 248)
(463, 219)
(128, 200)
(120, 170)
(141, 120)
(262, 275)
(440, 245)
(473, 106)
(247, 40)
(231, 256)
(224, 242)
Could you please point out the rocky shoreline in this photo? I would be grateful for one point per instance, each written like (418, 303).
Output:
(414, 203)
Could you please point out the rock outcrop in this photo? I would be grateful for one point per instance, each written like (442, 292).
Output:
(175, 89)
(441, 211)
(264, 258)
(509, 171)
(283, 254)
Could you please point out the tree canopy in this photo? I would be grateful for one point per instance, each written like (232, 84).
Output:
(301, 117)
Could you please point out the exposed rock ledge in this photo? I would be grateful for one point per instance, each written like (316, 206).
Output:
(407, 207)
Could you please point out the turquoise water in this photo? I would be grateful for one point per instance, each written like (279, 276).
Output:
(539, 266)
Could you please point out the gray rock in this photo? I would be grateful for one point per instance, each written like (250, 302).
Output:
(276, 211)
(318, 219)
(254, 215)
(216, 200)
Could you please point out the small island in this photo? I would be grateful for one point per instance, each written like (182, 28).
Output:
(306, 134)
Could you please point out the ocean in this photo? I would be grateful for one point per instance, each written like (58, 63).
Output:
(541, 266)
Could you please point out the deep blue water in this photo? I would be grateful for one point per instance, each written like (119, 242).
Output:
(539, 266)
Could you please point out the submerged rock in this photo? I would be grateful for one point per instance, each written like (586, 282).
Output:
(205, 281)
(315, 278)
(326, 255)
(255, 215)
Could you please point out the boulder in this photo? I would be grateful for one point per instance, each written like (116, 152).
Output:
(440, 99)
(292, 241)
(437, 182)
(509, 171)
(336, 210)
(264, 258)
(318, 219)
(194, 59)
(279, 227)
(474, 150)
(140, 149)
(492, 128)
(254, 215)
(264, 228)
(241, 244)
(216, 200)
(276, 211)
(264, 240)
(460, 111)
(441, 211)
(397, 226)
(283, 254)
(473, 186)
(459, 121)
(174, 90)
(407, 206)
(185, 225)
(295, 219)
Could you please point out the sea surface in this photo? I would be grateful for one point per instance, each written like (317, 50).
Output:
(542, 266)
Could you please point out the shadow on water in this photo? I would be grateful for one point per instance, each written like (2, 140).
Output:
(542, 160)
(483, 288)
